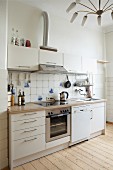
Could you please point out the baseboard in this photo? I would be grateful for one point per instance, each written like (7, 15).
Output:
(109, 122)
(6, 168)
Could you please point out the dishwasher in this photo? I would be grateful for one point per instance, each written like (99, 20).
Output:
(80, 123)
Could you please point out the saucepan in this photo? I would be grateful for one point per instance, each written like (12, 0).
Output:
(67, 84)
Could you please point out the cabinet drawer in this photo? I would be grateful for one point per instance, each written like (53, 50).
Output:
(24, 124)
(25, 133)
(28, 146)
(29, 115)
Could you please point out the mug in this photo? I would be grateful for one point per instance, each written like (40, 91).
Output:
(28, 43)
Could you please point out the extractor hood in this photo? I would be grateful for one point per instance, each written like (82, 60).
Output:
(43, 68)
(46, 33)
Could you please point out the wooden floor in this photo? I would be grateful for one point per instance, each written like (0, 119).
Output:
(96, 153)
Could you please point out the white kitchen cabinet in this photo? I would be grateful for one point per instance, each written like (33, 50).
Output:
(98, 117)
(28, 146)
(50, 58)
(72, 63)
(22, 58)
(89, 65)
(26, 135)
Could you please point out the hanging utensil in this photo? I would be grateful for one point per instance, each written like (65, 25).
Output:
(18, 82)
(29, 79)
(67, 84)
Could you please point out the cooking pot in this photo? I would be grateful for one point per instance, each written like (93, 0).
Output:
(64, 96)
(67, 84)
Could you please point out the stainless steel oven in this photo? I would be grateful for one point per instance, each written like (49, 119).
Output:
(57, 123)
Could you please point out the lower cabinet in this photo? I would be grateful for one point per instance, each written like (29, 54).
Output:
(29, 146)
(26, 135)
(98, 117)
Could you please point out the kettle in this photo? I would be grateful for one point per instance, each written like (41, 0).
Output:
(64, 96)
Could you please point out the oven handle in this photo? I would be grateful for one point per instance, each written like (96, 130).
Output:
(58, 115)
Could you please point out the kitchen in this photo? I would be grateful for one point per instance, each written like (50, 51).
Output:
(29, 23)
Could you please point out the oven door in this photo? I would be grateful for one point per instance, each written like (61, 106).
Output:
(57, 126)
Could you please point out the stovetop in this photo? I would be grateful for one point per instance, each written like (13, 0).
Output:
(55, 103)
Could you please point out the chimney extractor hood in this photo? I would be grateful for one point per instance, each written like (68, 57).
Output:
(46, 33)
(43, 68)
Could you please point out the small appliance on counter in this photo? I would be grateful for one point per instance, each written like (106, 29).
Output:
(64, 96)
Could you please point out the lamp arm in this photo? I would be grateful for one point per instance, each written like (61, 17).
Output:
(105, 4)
(83, 11)
(92, 4)
(99, 4)
(108, 7)
(91, 13)
(87, 7)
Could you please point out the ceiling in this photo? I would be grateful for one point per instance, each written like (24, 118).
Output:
(58, 8)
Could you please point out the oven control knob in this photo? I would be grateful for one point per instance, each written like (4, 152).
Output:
(51, 113)
(61, 111)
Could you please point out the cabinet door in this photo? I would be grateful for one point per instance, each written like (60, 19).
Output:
(98, 119)
(50, 58)
(89, 65)
(72, 63)
(80, 124)
(22, 57)
(28, 146)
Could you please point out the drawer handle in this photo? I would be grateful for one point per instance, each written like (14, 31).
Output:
(29, 114)
(50, 63)
(31, 121)
(30, 140)
(81, 110)
(30, 130)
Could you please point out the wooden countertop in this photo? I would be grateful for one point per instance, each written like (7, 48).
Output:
(31, 107)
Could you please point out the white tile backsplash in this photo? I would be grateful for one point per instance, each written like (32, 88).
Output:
(39, 91)
(33, 83)
(42, 85)
(109, 95)
(45, 77)
(45, 84)
(33, 76)
(39, 77)
(39, 83)
(51, 77)
(45, 91)
(33, 91)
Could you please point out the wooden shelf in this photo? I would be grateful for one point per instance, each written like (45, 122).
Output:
(102, 61)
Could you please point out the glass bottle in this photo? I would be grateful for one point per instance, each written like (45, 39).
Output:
(23, 99)
(17, 40)
(13, 37)
(19, 98)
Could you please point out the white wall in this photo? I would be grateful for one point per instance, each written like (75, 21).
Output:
(109, 72)
(25, 19)
(3, 84)
(66, 37)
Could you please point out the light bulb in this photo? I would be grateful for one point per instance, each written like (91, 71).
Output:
(112, 15)
(99, 20)
(73, 4)
(73, 17)
(84, 20)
